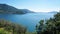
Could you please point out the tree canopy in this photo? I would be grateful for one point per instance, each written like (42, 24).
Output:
(51, 26)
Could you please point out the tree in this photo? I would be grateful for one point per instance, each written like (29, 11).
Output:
(52, 25)
(12, 27)
(39, 27)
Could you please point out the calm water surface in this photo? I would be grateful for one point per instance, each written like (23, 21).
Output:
(29, 20)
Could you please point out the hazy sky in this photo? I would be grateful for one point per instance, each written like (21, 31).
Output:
(34, 5)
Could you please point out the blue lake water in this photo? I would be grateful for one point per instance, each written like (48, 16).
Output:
(29, 20)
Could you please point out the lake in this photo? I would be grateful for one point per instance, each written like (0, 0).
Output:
(29, 20)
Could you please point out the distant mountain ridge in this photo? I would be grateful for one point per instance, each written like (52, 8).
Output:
(26, 11)
(4, 8)
(53, 12)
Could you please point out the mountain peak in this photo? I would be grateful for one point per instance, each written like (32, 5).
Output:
(4, 8)
(3, 4)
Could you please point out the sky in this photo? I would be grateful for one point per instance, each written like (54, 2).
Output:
(34, 5)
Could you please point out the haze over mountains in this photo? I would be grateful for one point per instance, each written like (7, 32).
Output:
(4, 8)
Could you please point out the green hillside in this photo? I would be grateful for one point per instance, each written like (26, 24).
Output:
(11, 28)
(49, 26)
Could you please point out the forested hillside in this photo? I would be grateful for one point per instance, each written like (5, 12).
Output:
(49, 26)
(7, 27)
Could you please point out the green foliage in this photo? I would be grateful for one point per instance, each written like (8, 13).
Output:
(52, 25)
(3, 31)
(11, 27)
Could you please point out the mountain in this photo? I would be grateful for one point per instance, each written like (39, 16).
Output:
(53, 12)
(26, 11)
(4, 8)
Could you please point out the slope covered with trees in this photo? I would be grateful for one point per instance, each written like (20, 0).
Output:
(50, 26)
(7, 27)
